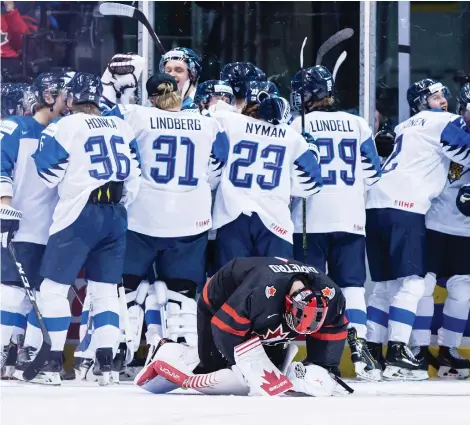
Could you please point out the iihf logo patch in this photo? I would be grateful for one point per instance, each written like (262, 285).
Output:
(270, 291)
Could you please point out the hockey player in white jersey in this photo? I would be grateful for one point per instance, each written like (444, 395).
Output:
(26, 209)
(336, 235)
(93, 162)
(413, 175)
(448, 248)
(185, 66)
(182, 155)
(268, 163)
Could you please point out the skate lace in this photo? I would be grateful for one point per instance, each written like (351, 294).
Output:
(409, 354)
(455, 354)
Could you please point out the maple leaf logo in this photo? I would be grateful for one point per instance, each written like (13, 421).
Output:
(277, 335)
(274, 384)
(270, 291)
(328, 292)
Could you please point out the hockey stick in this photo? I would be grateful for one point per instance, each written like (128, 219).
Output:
(118, 9)
(332, 42)
(339, 62)
(302, 117)
(38, 362)
(342, 383)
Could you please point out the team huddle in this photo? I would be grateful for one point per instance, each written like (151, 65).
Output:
(229, 229)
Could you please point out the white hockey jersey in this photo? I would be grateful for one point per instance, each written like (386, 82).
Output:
(349, 164)
(80, 153)
(267, 164)
(19, 179)
(415, 173)
(182, 155)
(444, 216)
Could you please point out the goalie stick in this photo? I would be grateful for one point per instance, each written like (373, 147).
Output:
(332, 42)
(118, 9)
(38, 362)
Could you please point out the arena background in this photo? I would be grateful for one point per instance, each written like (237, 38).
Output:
(394, 44)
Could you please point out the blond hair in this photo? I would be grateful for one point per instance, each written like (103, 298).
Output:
(169, 99)
(324, 103)
(86, 108)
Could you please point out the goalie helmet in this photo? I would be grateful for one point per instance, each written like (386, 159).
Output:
(305, 311)
(317, 84)
(418, 93)
(463, 99)
(189, 57)
(208, 89)
(85, 88)
(239, 75)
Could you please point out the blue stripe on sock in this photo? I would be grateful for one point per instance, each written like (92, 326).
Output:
(356, 316)
(422, 323)
(106, 318)
(377, 316)
(84, 317)
(7, 318)
(152, 317)
(57, 324)
(453, 324)
(401, 315)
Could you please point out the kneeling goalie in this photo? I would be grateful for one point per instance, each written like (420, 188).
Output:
(247, 315)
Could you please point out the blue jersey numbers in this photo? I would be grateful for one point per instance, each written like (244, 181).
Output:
(272, 157)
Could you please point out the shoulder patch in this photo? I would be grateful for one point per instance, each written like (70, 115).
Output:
(8, 126)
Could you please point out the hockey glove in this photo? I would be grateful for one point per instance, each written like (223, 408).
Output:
(463, 200)
(10, 223)
(311, 145)
(122, 74)
(384, 142)
(275, 110)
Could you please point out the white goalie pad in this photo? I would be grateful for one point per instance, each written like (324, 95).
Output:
(312, 380)
(181, 318)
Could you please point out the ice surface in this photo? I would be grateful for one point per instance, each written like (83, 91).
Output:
(387, 403)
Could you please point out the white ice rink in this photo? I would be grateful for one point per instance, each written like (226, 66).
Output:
(425, 403)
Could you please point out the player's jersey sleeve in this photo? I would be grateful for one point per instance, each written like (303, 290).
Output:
(306, 177)
(9, 139)
(52, 157)
(219, 155)
(455, 141)
(370, 159)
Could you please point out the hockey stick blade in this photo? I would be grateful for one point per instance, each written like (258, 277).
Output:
(302, 53)
(118, 9)
(332, 42)
(38, 362)
(339, 62)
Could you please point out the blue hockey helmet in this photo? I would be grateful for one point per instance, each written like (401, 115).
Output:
(257, 91)
(85, 88)
(463, 99)
(205, 91)
(261, 74)
(463, 200)
(186, 55)
(17, 99)
(317, 84)
(48, 85)
(418, 93)
(238, 75)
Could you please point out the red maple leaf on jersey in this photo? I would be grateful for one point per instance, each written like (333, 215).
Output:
(328, 292)
(270, 291)
(277, 335)
(274, 384)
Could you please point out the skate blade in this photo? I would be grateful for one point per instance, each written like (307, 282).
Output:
(395, 373)
(446, 372)
(373, 375)
(43, 378)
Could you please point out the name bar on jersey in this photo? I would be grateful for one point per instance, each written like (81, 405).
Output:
(292, 268)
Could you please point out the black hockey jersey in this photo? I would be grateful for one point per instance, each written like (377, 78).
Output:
(247, 296)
